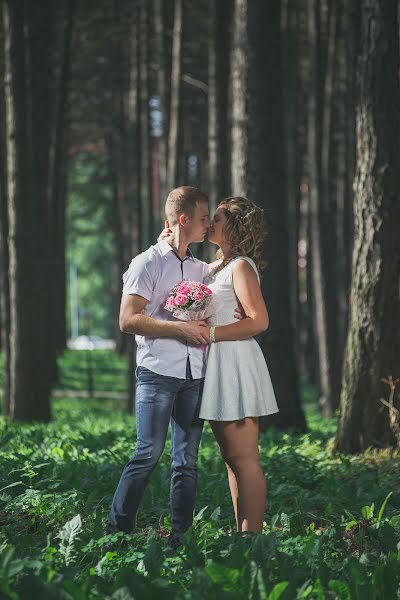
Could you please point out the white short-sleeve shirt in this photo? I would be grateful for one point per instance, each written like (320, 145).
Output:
(151, 275)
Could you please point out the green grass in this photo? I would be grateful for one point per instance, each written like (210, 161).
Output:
(324, 536)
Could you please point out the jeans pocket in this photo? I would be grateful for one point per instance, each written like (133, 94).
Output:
(142, 371)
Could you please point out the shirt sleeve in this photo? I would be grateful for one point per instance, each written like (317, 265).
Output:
(140, 277)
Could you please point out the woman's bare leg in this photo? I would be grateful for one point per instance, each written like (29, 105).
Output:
(238, 442)
(233, 486)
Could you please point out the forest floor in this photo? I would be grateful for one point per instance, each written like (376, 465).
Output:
(332, 523)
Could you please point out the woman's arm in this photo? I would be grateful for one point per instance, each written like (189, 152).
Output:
(248, 292)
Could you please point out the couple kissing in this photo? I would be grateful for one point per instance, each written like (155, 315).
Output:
(189, 371)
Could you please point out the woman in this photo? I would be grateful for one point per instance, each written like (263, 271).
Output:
(237, 386)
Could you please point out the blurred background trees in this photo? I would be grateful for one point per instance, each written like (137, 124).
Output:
(104, 106)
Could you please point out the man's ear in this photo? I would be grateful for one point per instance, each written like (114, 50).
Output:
(182, 219)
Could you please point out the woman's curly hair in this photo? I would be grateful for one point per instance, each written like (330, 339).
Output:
(244, 229)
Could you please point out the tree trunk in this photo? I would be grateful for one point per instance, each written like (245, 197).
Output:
(239, 83)
(307, 361)
(174, 117)
(257, 170)
(352, 13)
(344, 152)
(213, 150)
(27, 101)
(290, 87)
(58, 182)
(162, 96)
(4, 257)
(123, 145)
(373, 343)
(319, 209)
(218, 78)
(133, 153)
(147, 225)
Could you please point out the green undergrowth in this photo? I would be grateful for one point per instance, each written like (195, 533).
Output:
(332, 524)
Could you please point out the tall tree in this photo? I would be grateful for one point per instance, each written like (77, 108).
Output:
(4, 257)
(321, 233)
(124, 144)
(175, 100)
(58, 172)
(27, 35)
(290, 88)
(257, 171)
(218, 78)
(343, 162)
(147, 224)
(160, 144)
(133, 210)
(373, 343)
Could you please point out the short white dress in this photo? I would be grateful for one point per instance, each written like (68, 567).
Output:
(237, 382)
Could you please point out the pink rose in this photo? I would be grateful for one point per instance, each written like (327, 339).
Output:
(184, 288)
(170, 301)
(198, 295)
(206, 289)
(181, 299)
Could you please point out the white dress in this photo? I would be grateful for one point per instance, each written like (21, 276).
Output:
(237, 382)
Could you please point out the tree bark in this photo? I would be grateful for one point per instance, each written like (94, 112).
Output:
(27, 36)
(343, 158)
(373, 343)
(147, 224)
(319, 210)
(257, 170)
(58, 177)
(133, 153)
(239, 83)
(213, 150)
(4, 256)
(290, 88)
(162, 95)
(124, 151)
(174, 117)
(218, 86)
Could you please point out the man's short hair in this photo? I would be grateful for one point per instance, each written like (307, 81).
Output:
(183, 200)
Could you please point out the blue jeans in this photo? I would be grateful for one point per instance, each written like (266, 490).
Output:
(160, 400)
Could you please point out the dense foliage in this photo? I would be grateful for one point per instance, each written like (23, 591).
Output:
(332, 525)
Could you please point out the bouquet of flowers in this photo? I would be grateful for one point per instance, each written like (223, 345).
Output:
(191, 301)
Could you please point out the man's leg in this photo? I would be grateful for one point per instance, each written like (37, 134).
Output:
(155, 396)
(186, 430)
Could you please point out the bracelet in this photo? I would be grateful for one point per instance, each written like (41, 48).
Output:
(212, 333)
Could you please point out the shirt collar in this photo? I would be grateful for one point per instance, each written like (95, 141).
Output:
(165, 248)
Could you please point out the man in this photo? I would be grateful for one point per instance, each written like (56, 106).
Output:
(170, 366)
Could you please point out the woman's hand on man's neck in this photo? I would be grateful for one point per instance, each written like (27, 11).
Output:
(178, 241)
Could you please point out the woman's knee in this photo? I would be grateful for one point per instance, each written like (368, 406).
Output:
(238, 462)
